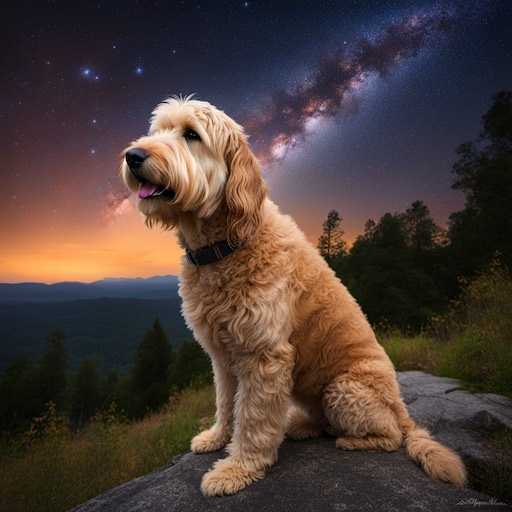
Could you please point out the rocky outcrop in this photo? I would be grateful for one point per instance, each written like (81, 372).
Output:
(314, 476)
(461, 420)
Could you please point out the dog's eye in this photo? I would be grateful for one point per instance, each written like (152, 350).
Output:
(190, 134)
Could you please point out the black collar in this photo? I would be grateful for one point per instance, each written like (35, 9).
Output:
(211, 253)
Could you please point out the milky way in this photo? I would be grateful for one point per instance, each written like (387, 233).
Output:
(283, 123)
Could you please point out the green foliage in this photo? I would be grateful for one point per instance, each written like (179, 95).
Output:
(25, 388)
(52, 370)
(19, 401)
(412, 353)
(107, 330)
(395, 269)
(471, 342)
(480, 321)
(59, 469)
(192, 366)
(150, 374)
(483, 172)
(404, 269)
(87, 396)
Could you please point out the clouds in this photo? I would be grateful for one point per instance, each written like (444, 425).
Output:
(283, 122)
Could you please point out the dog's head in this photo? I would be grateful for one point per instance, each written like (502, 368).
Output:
(194, 159)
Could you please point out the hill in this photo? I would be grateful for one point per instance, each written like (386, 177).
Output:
(105, 328)
(156, 287)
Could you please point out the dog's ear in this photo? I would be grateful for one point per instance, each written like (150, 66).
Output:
(245, 190)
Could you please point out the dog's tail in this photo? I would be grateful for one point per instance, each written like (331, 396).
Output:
(438, 461)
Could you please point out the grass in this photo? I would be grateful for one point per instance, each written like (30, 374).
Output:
(53, 469)
(472, 342)
(480, 362)
(415, 353)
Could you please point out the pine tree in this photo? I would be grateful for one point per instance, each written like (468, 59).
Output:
(86, 397)
(150, 375)
(52, 370)
(331, 243)
(18, 394)
(423, 232)
(192, 365)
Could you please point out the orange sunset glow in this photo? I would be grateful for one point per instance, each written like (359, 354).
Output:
(123, 247)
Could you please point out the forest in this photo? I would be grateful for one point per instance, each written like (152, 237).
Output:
(405, 269)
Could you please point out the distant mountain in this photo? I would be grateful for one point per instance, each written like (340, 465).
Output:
(157, 287)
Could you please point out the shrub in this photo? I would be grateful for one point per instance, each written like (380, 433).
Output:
(54, 469)
(472, 342)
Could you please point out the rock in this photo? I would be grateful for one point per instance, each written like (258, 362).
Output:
(459, 419)
(314, 476)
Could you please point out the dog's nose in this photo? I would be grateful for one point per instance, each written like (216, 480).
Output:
(135, 158)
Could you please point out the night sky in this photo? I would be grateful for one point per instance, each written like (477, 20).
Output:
(352, 105)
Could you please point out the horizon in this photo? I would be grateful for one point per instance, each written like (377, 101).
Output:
(107, 278)
(364, 142)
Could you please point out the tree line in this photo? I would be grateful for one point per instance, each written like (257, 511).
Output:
(27, 386)
(405, 268)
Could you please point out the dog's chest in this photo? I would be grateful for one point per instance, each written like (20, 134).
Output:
(220, 310)
(209, 305)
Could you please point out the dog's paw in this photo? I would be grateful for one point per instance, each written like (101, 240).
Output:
(209, 440)
(228, 476)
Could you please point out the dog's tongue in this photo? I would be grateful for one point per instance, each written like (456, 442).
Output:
(147, 190)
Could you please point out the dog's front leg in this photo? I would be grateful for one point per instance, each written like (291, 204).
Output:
(264, 387)
(219, 434)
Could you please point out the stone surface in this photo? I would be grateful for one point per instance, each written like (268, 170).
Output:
(314, 476)
(462, 420)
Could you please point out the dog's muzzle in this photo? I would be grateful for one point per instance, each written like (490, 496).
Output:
(135, 158)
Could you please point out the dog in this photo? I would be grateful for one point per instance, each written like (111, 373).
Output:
(292, 352)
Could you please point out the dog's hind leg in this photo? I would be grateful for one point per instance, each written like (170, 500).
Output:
(361, 413)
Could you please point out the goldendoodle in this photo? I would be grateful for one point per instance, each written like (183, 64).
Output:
(292, 352)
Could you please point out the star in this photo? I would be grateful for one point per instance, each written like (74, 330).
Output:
(139, 70)
(86, 72)
(92, 151)
(94, 121)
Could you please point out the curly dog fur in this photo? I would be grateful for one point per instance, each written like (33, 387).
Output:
(292, 352)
